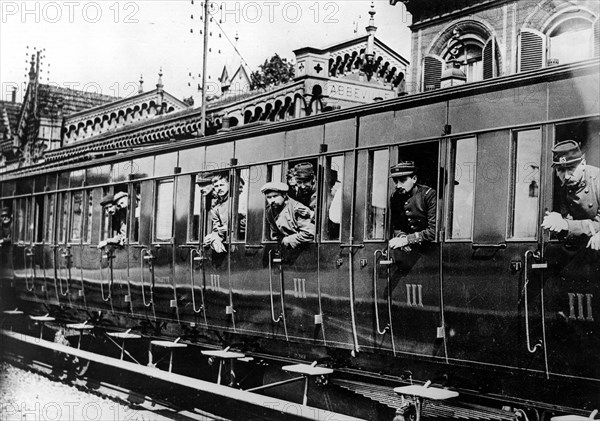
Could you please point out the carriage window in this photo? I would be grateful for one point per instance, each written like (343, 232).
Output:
(195, 217)
(377, 194)
(332, 194)
(76, 215)
(241, 204)
(63, 217)
(50, 218)
(462, 188)
(135, 198)
(302, 179)
(105, 230)
(21, 220)
(199, 207)
(274, 172)
(38, 235)
(527, 149)
(87, 221)
(163, 222)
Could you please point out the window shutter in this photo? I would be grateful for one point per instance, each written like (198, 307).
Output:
(597, 38)
(489, 59)
(432, 73)
(532, 50)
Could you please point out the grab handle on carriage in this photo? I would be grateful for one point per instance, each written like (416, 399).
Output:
(66, 254)
(28, 259)
(277, 259)
(109, 257)
(376, 254)
(525, 284)
(146, 256)
(195, 255)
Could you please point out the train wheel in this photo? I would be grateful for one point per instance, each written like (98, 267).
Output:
(80, 367)
(406, 413)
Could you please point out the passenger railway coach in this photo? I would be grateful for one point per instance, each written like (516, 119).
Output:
(490, 309)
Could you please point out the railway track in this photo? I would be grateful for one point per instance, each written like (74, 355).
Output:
(125, 402)
(172, 395)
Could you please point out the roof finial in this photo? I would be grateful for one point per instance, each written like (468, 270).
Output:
(32, 71)
(160, 85)
(372, 28)
(141, 88)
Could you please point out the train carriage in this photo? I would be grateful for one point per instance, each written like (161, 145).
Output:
(494, 305)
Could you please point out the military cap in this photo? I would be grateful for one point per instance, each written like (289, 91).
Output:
(403, 168)
(276, 186)
(566, 153)
(109, 198)
(304, 171)
(5, 212)
(120, 195)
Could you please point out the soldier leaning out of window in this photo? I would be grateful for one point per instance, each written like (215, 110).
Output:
(116, 207)
(290, 222)
(413, 208)
(6, 226)
(578, 218)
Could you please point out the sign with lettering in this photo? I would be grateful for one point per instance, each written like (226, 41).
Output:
(359, 93)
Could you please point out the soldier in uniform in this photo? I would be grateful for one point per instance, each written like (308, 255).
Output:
(579, 197)
(6, 227)
(289, 220)
(413, 208)
(119, 225)
(306, 185)
(219, 213)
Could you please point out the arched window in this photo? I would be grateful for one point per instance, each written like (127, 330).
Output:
(469, 54)
(573, 32)
(562, 40)
(468, 47)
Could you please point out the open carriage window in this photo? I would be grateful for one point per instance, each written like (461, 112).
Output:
(462, 187)
(586, 134)
(332, 197)
(275, 173)
(527, 149)
(302, 179)
(163, 215)
(377, 192)
(199, 207)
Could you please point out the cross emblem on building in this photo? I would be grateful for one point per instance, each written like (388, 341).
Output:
(318, 68)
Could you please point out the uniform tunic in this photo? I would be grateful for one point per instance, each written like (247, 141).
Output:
(308, 198)
(293, 220)
(414, 214)
(219, 215)
(580, 205)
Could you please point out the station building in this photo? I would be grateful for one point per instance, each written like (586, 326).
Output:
(453, 42)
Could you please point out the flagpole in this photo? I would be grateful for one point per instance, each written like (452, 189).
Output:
(204, 57)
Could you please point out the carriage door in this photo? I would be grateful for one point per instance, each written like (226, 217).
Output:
(571, 287)
(23, 249)
(490, 234)
(397, 291)
(76, 253)
(62, 252)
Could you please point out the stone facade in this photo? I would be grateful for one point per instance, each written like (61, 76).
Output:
(518, 35)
